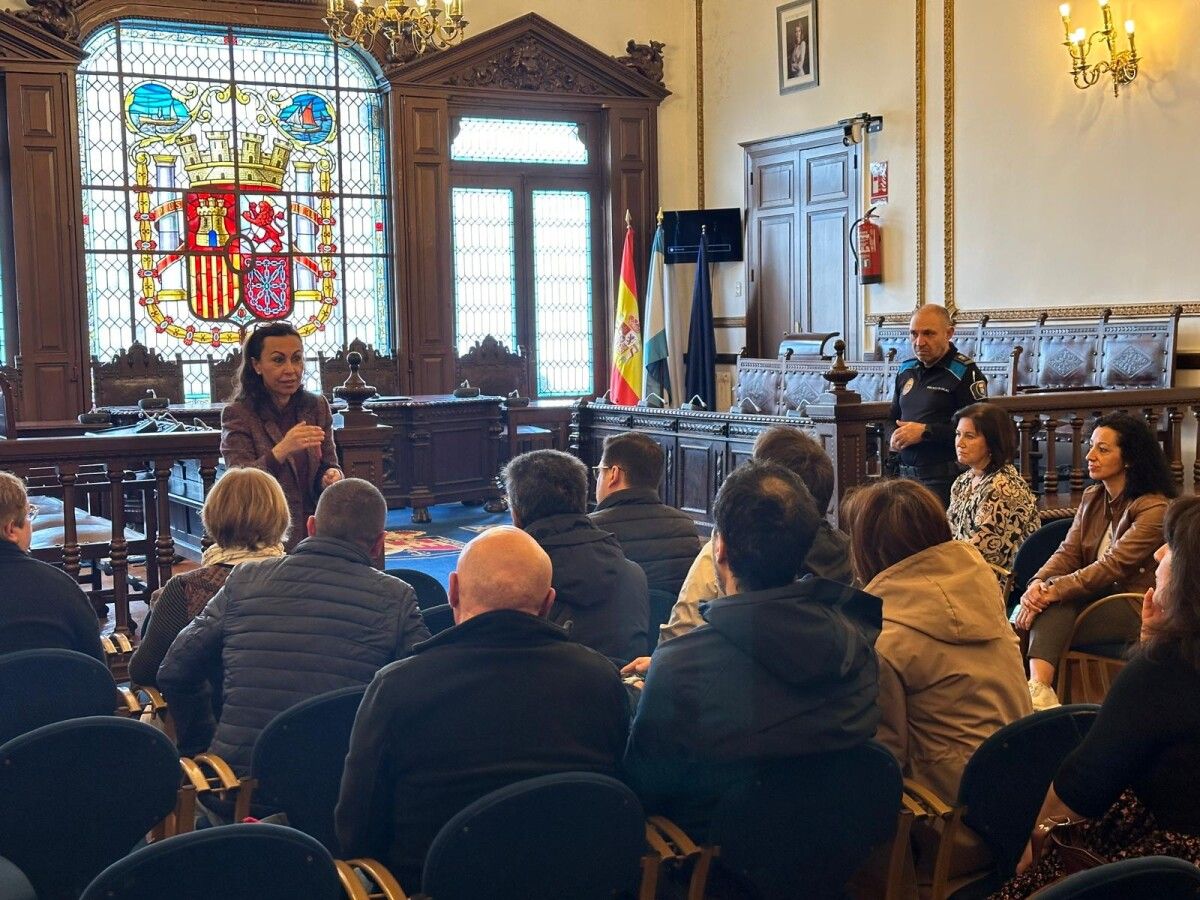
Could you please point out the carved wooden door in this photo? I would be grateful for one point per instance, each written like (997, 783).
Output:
(802, 195)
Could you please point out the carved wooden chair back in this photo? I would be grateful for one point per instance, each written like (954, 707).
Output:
(125, 380)
(493, 368)
(223, 376)
(378, 369)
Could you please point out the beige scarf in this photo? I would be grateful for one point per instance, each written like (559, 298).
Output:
(218, 555)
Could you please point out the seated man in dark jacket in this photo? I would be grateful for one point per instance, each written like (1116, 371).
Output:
(781, 668)
(501, 697)
(659, 538)
(40, 606)
(601, 597)
(287, 629)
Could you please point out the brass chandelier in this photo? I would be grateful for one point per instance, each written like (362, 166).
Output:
(421, 24)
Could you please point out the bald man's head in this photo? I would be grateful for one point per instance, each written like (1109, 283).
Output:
(503, 568)
(930, 331)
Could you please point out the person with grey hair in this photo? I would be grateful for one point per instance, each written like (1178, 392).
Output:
(531, 701)
(602, 598)
(286, 629)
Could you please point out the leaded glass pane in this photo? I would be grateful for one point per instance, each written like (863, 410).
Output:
(230, 176)
(562, 292)
(485, 281)
(518, 141)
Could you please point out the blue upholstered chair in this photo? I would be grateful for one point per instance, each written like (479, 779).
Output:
(1002, 789)
(1145, 878)
(1033, 554)
(234, 862)
(80, 794)
(802, 827)
(574, 835)
(430, 592)
(299, 757)
(38, 687)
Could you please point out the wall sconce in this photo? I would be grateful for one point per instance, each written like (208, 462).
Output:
(1123, 64)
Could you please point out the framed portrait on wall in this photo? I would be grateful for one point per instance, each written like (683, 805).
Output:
(797, 26)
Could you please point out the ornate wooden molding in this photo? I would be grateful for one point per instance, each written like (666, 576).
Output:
(531, 54)
(525, 66)
(645, 59)
(1096, 311)
(729, 322)
(58, 17)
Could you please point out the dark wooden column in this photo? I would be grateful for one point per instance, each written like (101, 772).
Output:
(428, 301)
(47, 212)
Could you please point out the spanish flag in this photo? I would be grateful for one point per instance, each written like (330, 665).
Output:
(625, 381)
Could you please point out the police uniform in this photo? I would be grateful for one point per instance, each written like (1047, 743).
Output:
(932, 395)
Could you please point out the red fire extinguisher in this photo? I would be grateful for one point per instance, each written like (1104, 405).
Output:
(867, 247)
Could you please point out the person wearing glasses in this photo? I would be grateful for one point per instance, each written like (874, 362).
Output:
(272, 423)
(41, 607)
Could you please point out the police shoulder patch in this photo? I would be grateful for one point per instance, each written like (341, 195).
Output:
(979, 389)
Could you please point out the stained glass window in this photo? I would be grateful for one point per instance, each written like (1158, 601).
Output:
(518, 141)
(230, 176)
(523, 245)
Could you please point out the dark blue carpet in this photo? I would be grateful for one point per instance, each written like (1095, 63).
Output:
(433, 548)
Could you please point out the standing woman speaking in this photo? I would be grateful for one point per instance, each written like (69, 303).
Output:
(273, 424)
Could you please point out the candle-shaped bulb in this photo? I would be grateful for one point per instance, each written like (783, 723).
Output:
(1065, 10)
(1104, 2)
(1078, 36)
(1129, 26)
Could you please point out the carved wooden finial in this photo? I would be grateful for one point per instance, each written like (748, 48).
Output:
(840, 374)
(354, 390)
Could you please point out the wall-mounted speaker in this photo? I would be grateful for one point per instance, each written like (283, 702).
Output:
(681, 229)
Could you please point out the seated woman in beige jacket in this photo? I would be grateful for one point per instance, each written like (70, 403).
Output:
(1108, 550)
(950, 669)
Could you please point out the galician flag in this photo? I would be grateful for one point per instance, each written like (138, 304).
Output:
(656, 373)
(625, 381)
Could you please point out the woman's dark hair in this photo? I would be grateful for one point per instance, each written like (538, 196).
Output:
(997, 429)
(889, 521)
(1146, 470)
(1178, 628)
(248, 386)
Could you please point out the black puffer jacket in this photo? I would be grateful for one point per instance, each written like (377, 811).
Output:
(287, 629)
(659, 538)
(600, 597)
(773, 674)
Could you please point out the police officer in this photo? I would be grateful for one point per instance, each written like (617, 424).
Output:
(930, 388)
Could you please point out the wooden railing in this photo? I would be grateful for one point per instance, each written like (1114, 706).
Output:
(856, 434)
(95, 473)
(701, 447)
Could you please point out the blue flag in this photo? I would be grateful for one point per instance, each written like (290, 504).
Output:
(702, 343)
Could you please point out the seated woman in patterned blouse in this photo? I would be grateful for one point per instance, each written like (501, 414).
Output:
(990, 504)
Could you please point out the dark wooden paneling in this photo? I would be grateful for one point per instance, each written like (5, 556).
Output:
(47, 242)
(425, 150)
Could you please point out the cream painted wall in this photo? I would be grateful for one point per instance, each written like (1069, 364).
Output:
(1063, 196)
(1069, 196)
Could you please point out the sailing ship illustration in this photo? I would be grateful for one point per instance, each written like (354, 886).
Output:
(162, 116)
(303, 119)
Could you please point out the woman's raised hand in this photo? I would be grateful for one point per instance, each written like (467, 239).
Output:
(300, 438)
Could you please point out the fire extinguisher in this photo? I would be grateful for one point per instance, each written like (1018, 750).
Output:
(867, 247)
